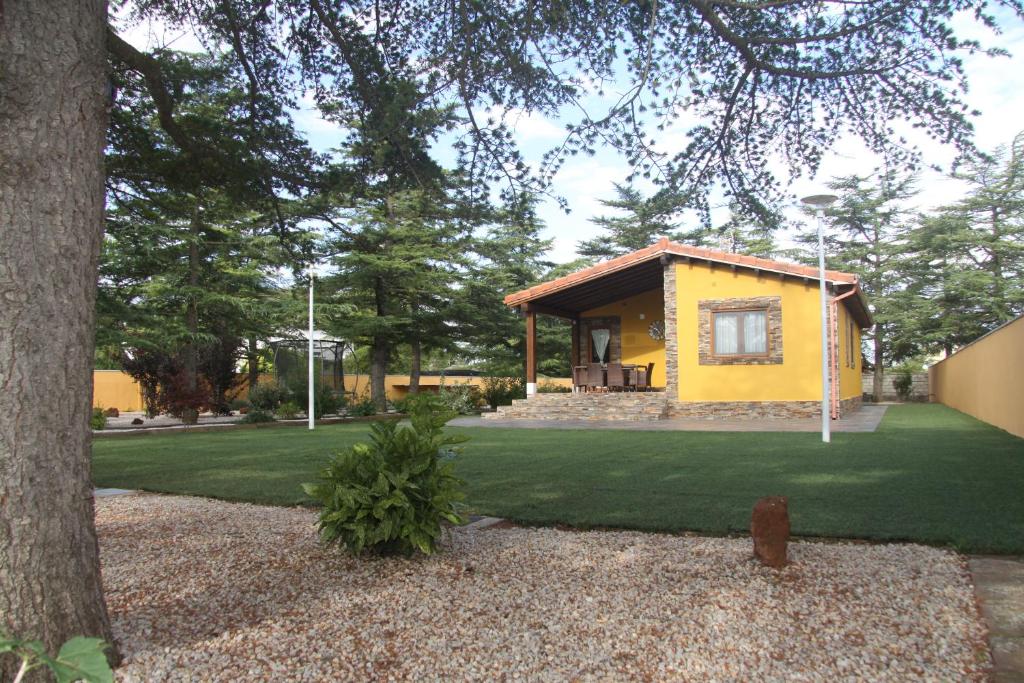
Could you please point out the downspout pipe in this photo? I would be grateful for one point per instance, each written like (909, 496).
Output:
(833, 347)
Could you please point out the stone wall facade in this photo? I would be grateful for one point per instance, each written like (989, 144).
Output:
(850, 405)
(756, 410)
(671, 330)
(745, 410)
(771, 304)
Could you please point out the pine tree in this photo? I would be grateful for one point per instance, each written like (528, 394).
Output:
(867, 234)
(640, 223)
(968, 257)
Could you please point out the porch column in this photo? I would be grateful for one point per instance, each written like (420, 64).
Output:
(531, 353)
(671, 332)
(575, 359)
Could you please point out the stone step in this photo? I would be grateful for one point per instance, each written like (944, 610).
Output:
(624, 406)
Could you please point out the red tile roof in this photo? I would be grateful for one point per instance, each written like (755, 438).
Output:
(665, 246)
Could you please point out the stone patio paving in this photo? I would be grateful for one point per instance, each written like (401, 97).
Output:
(999, 587)
(866, 419)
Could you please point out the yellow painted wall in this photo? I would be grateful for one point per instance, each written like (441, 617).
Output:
(986, 378)
(637, 345)
(849, 378)
(115, 389)
(797, 378)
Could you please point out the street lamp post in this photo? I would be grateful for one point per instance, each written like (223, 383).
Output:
(820, 202)
(311, 411)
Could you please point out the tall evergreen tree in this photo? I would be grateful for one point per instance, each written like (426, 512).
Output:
(970, 254)
(868, 232)
(639, 223)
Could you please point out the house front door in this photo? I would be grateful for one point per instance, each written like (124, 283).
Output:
(600, 340)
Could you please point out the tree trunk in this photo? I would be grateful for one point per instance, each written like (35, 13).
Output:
(192, 309)
(414, 370)
(253, 359)
(53, 112)
(380, 353)
(878, 375)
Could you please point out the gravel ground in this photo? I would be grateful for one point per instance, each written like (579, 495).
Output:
(206, 590)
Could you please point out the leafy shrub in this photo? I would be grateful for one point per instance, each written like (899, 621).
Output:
(460, 398)
(362, 408)
(903, 382)
(549, 387)
(267, 396)
(499, 391)
(401, 405)
(325, 401)
(257, 416)
(239, 403)
(391, 495)
(288, 410)
(79, 659)
(98, 419)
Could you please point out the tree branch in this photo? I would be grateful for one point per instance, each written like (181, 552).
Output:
(150, 70)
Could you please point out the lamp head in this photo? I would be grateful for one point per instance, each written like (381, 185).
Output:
(820, 201)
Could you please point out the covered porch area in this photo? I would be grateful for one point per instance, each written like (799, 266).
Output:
(616, 311)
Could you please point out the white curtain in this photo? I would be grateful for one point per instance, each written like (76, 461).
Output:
(726, 337)
(601, 339)
(755, 332)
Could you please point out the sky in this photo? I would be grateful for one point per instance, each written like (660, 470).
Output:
(996, 89)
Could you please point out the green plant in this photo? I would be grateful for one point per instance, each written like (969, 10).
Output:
(258, 416)
(499, 391)
(268, 396)
(903, 382)
(362, 408)
(287, 410)
(460, 398)
(391, 495)
(401, 405)
(325, 400)
(98, 419)
(549, 387)
(79, 659)
(238, 404)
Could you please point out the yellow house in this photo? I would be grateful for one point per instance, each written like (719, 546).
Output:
(722, 334)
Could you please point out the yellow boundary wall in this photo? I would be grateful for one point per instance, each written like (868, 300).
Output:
(985, 379)
(116, 389)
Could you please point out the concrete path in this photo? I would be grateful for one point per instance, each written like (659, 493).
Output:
(866, 419)
(106, 493)
(999, 586)
(124, 421)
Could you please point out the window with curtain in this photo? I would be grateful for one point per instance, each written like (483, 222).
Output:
(599, 339)
(740, 333)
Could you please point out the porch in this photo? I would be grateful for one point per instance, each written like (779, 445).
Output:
(617, 315)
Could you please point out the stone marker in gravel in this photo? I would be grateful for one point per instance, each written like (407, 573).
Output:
(213, 591)
(769, 527)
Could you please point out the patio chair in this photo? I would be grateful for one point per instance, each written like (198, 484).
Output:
(650, 374)
(616, 377)
(579, 378)
(640, 379)
(595, 376)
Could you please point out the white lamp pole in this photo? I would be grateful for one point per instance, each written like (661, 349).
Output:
(311, 410)
(819, 202)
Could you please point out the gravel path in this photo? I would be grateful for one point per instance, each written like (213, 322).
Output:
(206, 590)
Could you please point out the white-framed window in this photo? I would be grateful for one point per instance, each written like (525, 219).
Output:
(739, 333)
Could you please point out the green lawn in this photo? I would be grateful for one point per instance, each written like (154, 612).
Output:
(929, 474)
